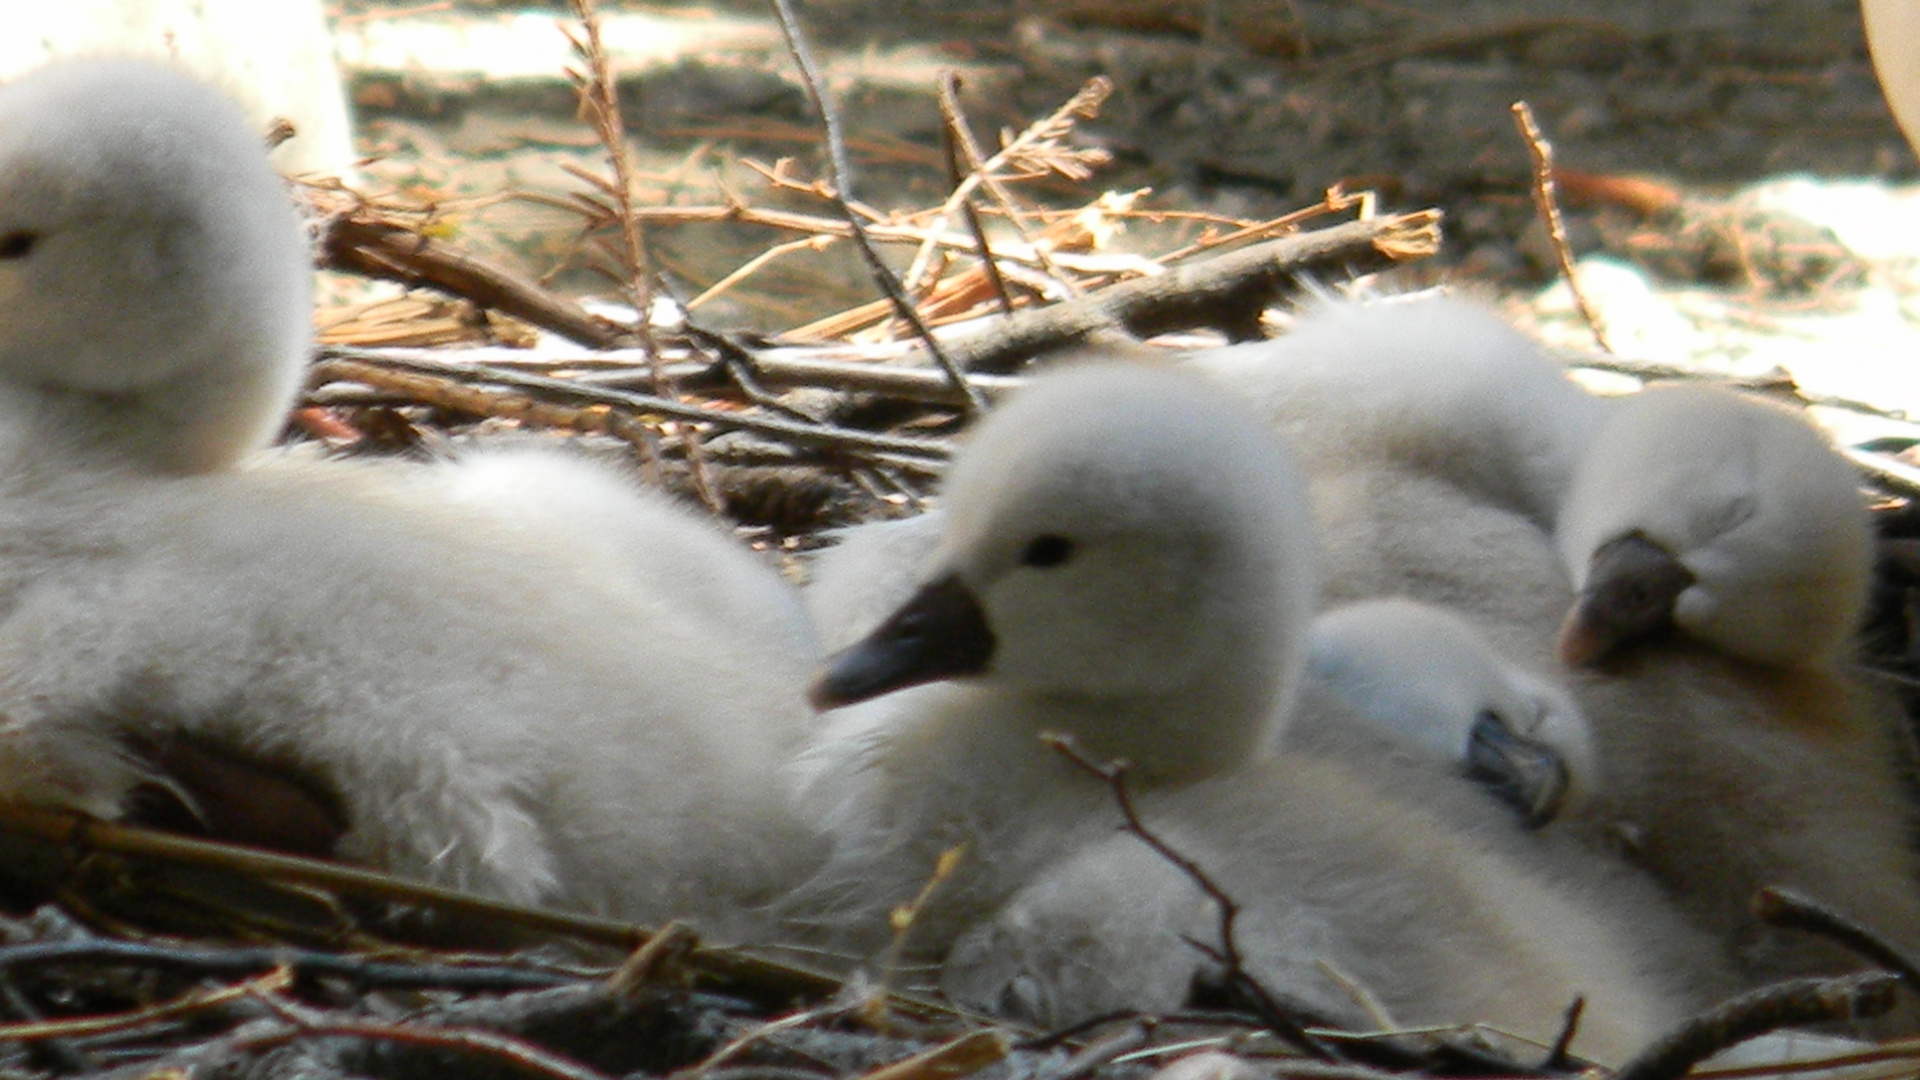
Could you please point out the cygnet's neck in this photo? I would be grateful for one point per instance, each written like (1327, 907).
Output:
(1167, 738)
(190, 423)
(1222, 709)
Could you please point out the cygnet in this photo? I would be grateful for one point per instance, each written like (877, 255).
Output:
(1125, 559)
(155, 277)
(1728, 518)
(1429, 678)
(1719, 776)
(1079, 587)
(1715, 775)
(515, 673)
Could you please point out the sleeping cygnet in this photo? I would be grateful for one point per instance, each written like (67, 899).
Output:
(1727, 518)
(1429, 679)
(1124, 559)
(515, 673)
(1739, 752)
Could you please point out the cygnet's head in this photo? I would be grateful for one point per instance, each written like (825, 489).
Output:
(155, 280)
(1429, 678)
(1723, 516)
(1121, 542)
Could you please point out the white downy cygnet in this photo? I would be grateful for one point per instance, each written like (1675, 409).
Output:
(139, 218)
(1079, 586)
(1125, 560)
(1719, 776)
(1426, 382)
(1431, 680)
(1716, 775)
(516, 673)
(1726, 517)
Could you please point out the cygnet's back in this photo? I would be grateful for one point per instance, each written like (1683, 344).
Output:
(156, 279)
(533, 713)
(1430, 383)
(1362, 882)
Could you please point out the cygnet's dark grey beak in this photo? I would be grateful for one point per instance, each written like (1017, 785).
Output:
(939, 634)
(1632, 585)
(1524, 773)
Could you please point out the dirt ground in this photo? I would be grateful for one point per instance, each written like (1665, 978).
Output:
(1783, 230)
(1259, 117)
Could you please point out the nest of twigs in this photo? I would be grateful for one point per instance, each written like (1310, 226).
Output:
(162, 954)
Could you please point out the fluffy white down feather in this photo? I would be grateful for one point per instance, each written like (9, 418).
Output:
(515, 673)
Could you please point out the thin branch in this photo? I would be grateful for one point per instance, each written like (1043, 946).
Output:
(1114, 775)
(1102, 1052)
(1335, 200)
(1560, 1055)
(841, 176)
(952, 1060)
(951, 142)
(518, 1053)
(669, 946)
(58, 1054)
(70, 831)
(1548, 204)
(985, 253)
(384, 370)
(754, 265)
(1041, 135)
(1784, 907)
(1228, 291)
(367, 971)
(961, 131)
(195, 1001)
(1795, 1003)
(600, 98)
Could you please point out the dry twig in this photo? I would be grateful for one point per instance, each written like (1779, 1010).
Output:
(1227, 953)
(1227, 291)
(361, 237)
(961, 1057)
(452, 384)
(68, 831)
(197, 1001)
(600, 100)
(841, 177)
(1796, 1003)
(1784, 907)
(1037, 149)
(363, 970)
(1548, 205)
(519, 1053)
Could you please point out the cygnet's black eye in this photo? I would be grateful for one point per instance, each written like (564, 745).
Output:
(18, 243)
(1046, 551)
